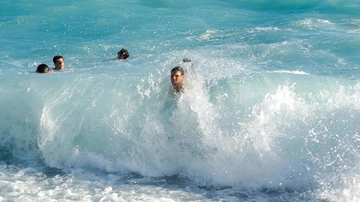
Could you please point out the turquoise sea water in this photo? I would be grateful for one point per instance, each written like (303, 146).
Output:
(272, 112)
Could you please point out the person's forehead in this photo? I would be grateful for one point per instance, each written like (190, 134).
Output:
(175, 72)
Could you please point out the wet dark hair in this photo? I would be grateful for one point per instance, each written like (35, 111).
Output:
(177, 68)
(55, 58)
(123, 54)
(186, 60)
(43, 68)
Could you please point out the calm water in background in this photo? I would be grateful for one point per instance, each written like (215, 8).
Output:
(272, 113)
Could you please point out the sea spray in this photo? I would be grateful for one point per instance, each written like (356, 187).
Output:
(270, 113)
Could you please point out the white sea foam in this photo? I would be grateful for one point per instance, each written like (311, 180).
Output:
(270, 112)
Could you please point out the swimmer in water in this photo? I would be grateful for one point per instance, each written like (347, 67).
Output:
(177, 77)
(59, 62)
(43, 68)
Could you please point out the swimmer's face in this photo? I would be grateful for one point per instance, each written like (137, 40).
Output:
(59, 64)
(176, 78)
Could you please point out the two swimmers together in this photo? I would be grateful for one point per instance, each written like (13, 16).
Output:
(58, 63)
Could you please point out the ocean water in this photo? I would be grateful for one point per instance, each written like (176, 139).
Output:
(271, 113)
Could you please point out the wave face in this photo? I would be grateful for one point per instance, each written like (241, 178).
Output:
(271, 111)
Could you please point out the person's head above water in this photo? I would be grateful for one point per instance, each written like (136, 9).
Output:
(43, 68)
(59, 62)
(123, 54)
(186, 60)
(177, 77)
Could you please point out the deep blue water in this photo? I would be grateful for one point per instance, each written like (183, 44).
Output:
(271, 113)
